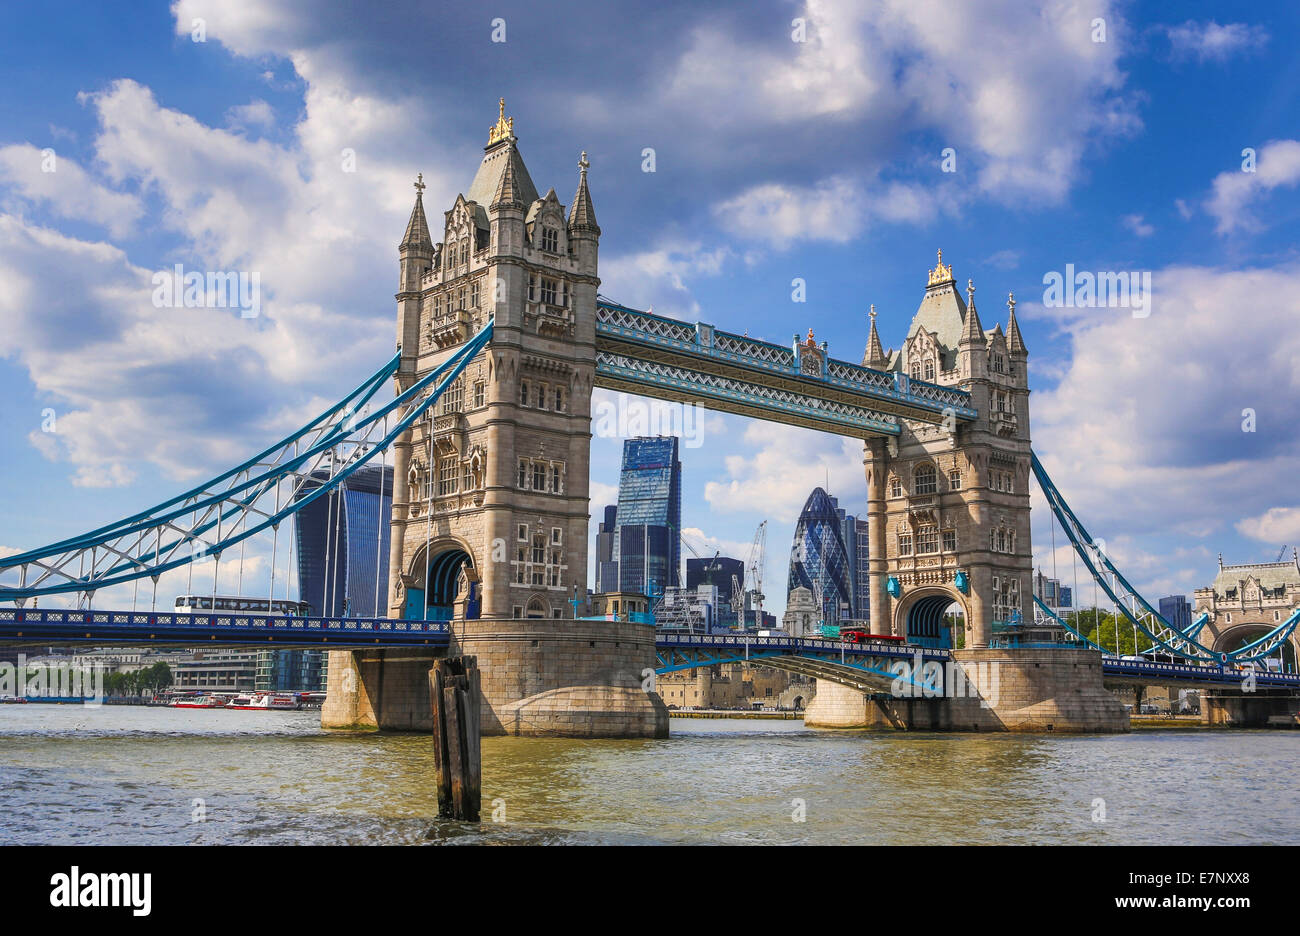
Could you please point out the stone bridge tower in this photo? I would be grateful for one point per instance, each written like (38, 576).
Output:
(490, 490)
(948, 504)
(948, 516)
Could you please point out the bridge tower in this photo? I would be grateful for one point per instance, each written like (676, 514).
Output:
(490, 493)
(948, 518)
(948, 504)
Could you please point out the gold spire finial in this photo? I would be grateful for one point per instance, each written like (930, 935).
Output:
(419, 184)
(505, 127)
(940, 273)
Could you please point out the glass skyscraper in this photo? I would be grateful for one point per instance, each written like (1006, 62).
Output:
(342, 543)
(647, 543)
(820, 560)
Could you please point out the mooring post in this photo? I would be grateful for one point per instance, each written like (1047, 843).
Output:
(454, 697)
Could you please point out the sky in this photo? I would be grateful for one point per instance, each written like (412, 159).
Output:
(835, 143)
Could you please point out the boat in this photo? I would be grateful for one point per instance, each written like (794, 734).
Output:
(264, 702)
(12, 700)
(199, 701)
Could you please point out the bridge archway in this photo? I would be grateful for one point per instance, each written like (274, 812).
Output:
(448, 575)
(1238, 635)
(920, 615)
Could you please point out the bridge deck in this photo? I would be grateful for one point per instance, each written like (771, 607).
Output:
(863, 665)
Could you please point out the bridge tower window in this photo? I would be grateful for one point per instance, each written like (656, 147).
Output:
(895, 487)
(523, 393)
(929, 369)
(927, 540)
(550, 240)
(925, 479)
(905, 544)
(954, 480)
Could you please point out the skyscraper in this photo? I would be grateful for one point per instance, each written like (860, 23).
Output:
(342, 543)
(819, 558)
(647, 540)
(606, 566)
(717, 572)
(1177, 610)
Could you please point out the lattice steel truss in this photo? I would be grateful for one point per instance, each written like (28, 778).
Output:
(242, 502)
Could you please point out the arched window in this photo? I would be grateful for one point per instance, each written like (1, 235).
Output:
(916, 370)
(464, 251)
(929, 369)
(895, 487)
(925, 480)
(536, 609)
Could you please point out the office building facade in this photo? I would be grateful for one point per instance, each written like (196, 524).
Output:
(647, 543)
(720, 572)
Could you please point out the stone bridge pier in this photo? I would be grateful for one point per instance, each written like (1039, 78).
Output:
(1011, 689)
(540, 678)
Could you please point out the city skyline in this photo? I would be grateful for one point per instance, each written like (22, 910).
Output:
(151, 171)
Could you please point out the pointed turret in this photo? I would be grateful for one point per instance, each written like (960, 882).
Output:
(1015, 343)
(973, 333)
(875, 354)
(417, 229)
(582, 216)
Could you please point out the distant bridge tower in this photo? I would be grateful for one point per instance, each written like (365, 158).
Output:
(950, 503)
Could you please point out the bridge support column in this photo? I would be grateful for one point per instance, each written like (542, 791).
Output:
(539, 677)
(986, 690)
(877, 468)
(1250, 710)
(397, 534)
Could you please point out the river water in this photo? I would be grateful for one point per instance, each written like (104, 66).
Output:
(134, 775)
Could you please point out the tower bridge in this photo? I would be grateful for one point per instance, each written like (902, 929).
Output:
(502, 337)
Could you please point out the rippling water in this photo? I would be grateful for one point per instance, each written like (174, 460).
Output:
(131, 775)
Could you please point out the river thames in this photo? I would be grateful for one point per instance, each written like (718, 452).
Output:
(128, 775)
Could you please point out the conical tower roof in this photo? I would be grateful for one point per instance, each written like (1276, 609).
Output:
(1015, 343)
(417, 228)
(582, 216)
(875, 353)
(973, 332)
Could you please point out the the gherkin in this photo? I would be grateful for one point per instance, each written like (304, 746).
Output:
(819, 559)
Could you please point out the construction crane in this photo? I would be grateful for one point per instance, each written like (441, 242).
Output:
(754, 571)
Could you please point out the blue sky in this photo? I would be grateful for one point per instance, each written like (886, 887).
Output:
(774, 159)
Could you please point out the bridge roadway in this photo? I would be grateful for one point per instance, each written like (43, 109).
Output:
(865, 666)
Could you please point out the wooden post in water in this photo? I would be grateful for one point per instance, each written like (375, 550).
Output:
(457, 720)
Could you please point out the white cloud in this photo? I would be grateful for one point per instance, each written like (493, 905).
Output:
(1144, 432)
(256, 113)
(58, 183)
(832, 210)
(1275, 525)
(1003, 260)
(1019, 90)
(1235, 192)
(660, 275)
(1138, 225)
(1210, 42)
(778, 466)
